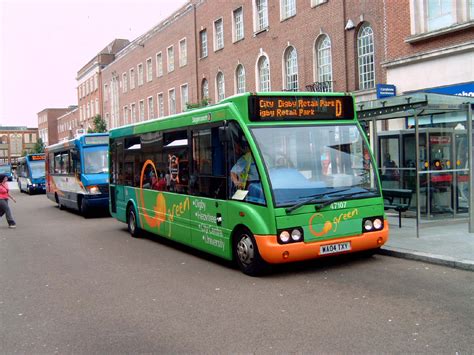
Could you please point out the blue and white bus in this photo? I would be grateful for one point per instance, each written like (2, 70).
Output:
(31, 173)
(6, 169)
(77, 173)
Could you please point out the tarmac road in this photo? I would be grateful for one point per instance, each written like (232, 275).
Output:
(75, 285)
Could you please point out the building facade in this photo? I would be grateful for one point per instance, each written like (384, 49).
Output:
(15, 141)
(205, 51)
(48, 124)
(69, 125)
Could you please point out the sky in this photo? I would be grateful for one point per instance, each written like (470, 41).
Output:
(44, 43)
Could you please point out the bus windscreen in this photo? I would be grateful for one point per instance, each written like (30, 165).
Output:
(300, 108)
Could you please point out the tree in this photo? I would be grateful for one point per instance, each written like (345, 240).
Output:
(39, 146)
(99, 124)
(204, 102)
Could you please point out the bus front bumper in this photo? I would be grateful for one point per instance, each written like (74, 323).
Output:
(274, 253)
(97, 201)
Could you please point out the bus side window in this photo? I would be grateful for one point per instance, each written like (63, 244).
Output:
(76, 162)
(176, 151)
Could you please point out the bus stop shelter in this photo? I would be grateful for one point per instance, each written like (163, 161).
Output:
(431, 137)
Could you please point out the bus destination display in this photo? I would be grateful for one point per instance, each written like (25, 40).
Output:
(36, 157)
(93, 140)
(292, 108)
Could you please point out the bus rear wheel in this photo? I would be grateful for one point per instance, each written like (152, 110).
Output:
(132, 223)
(247, 256)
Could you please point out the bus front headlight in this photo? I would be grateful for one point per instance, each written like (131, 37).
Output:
(94, 190)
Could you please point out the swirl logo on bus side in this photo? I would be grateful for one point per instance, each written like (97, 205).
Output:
(331, 225)
(160, 208)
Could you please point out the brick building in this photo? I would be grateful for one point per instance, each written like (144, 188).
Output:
(204, 50)
(48, 124)
(68, 125)
(14, 141)
(89, 83)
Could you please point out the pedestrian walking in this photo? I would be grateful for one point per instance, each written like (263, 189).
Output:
(4, 196)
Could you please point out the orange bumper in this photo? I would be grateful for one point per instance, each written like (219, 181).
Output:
(275, 253)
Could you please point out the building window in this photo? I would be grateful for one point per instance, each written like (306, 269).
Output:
(238, 19)
(287, 8)
(149, 70)
(184, 97)
(218, 34)
(205, 89)
(124, 83)
(439, 14)
(151, 108)
(203, 41)
(220, 86)
(183, 53)
(106, 93)
(132, 79)
(317, 2)
(97, 106)
(161, 105)
(140, 74)
(261, 15)
(365, 53)
(240, 79)
(291, 69)
(159, 64)
(125, 115)
(141, 110)
(172, 101)
(133, 113)
(263, 74)
(170, 52)
(324, 62)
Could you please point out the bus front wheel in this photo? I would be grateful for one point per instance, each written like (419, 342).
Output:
(132, 223)
(246, 254)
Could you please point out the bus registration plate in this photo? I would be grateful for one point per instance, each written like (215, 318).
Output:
(334, 248)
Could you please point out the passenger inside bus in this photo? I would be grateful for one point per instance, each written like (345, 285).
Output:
(244, 175)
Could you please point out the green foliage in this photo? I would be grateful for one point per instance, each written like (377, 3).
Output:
(204, 102)
(100, 126)
(39, 146)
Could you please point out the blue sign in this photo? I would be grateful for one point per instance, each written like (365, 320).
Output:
(465, 89)
(386, 90)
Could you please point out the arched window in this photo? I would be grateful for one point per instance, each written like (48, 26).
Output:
(324, 66)
(240, 79)
(263, 74)
(365, 54)
(291, 69)
(204, 89)
(220, 86)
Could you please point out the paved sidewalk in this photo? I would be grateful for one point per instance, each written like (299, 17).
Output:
(446, 242)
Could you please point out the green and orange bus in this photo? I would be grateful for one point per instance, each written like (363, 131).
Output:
(262, 178)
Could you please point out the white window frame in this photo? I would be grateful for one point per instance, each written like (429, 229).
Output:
(160, 102)
(366, 57)
(125, 115)
(203, 44)
(183, 52)
(141, 110)
(133, 112)
(290, 65)
(205, 88)
(151, 107)
(238, 33)
(220, 86)
(172, 101)
(184, 96)
(323, 55)
(260, 15)
(140, 74)
(287, 9)
(218, 34)
(159, 64)
(315, 3)
(170, 58)
(260, 75)
(124, 82)
(240, 83)
(132, 78)
(149, 70)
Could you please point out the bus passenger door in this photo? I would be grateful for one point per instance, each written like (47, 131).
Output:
(208, 186)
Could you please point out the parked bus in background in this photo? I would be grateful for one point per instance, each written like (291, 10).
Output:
(77, 173)
(6, 169)
(263, 179)
(31, 173)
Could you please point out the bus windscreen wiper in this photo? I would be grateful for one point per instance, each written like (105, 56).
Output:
(314, 197)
